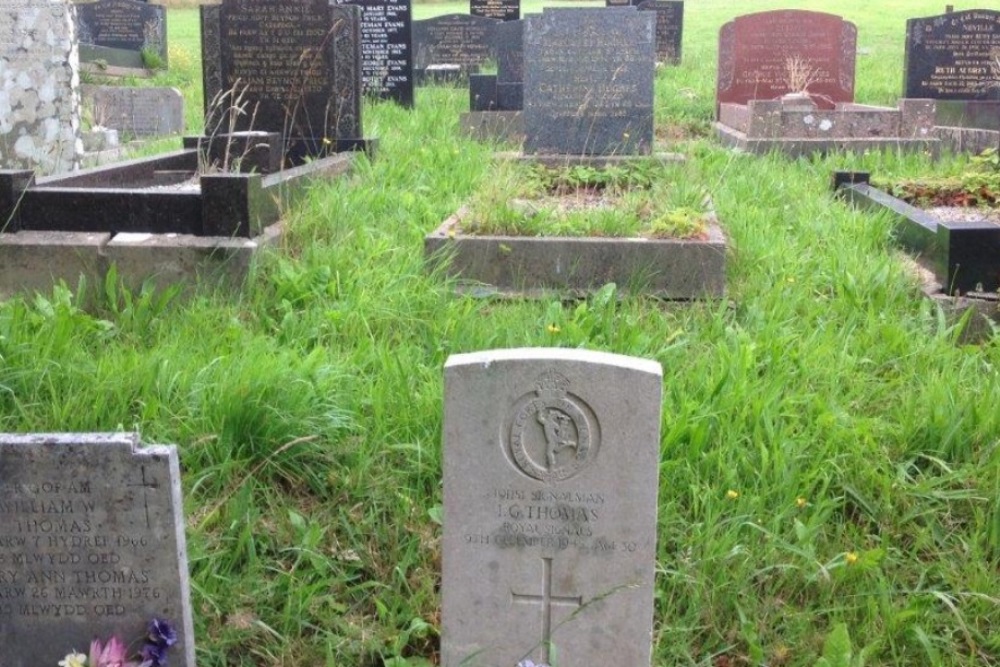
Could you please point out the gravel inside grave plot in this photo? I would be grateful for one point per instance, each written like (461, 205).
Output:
(966, 214)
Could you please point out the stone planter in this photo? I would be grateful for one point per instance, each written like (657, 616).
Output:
(536, 266)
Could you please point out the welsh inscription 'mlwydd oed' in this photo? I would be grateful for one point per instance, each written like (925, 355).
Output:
(550, 486)
(766, 55)
(588, 81)
(123, 24)
(91, 545)
(954, 56)
(291, 66)
(386, 49)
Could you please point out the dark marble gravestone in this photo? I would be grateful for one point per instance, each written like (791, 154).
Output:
(954, 56)
(757, 52)
(91, 544)
(294, 65)
(129, 25)
(619, 3)
(454, 39)
(505, 10)
(503, 91)
(669, 28)
(386, 49)
(588, 81)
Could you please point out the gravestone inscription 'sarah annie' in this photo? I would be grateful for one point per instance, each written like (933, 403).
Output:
(588, 81)
(765, 55)
(294, 65)
(550, 492)
(91, 545)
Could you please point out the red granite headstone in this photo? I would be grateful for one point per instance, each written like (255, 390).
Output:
(757, 53)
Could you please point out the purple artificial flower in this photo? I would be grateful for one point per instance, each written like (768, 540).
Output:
(161, 633)
(153, 655)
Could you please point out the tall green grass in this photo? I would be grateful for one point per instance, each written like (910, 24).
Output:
(830, 470)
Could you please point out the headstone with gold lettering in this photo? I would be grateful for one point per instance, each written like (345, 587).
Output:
(550, 500)
(286, 66)
(91, 546)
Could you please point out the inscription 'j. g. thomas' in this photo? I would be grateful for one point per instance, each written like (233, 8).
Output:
(550, 486)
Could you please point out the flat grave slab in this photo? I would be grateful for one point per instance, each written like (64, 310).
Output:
(550, 493)
(91, 544)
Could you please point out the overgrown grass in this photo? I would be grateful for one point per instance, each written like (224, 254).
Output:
(829, 459)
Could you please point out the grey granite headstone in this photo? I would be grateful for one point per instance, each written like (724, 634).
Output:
(39, 100)
(454, 39)
(140, 112)
(588, 81)
(91, 545)
(550, 501)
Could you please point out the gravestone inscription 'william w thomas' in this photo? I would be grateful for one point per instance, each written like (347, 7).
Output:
(550, 493)
(91, 545)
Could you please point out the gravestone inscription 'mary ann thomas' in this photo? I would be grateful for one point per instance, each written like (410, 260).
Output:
(550, 493)
(91, 545)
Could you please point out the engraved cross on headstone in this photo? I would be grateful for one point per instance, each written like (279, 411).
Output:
(547, 600)
(146, 484)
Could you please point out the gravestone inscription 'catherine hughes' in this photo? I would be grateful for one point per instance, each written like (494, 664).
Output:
(386, 49)
(91, 545)
(954, 56)
(550, 493)
(39, 100)
(765, 55)
(295, 65)
(588, 81)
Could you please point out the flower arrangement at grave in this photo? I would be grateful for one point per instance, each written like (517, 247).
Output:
(113, 652)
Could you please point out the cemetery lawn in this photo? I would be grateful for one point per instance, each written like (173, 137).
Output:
(830, 457)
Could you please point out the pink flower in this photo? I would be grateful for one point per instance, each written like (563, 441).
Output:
(112, 654)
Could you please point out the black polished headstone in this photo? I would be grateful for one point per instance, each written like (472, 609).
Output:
(483, 92)
(505, 10)
(123, 24)
(510, 66)
(669, 28)
(386, 49)
(954, 56)
(454, 39)
(290, 66)
(588, 81)
(619, 3)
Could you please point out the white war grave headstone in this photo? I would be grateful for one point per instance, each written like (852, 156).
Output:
(550, 500)
(39, 80)
(91, 546)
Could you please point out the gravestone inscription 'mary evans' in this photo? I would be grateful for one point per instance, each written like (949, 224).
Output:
(954, 56)
(765, 55)
(39, 100)
(91, 544)
(123, 24)
(386, 49)
(669, 28)
(295, 65)
(588, 81)
(550, 492)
